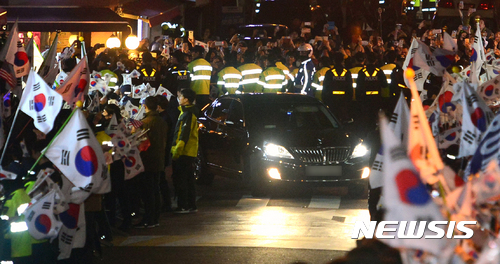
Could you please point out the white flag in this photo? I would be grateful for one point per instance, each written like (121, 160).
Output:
(127, 80)
(139, 91)
(40, 218)
(6, 175)
(449, 43)
(487, 150)
(422, 148)
(476, 119)
(405, 196)
(164, 92)
(477, 57)
(75, 86)
(490, 90)
(487, 186)
(83, 160)
(449, 137)
(40, 102)
(141, 114)
(133, 163)
(399, 123)
(131, 109)
(420, 73)
(15, 54)
(49, 68)
(425, 59)
(72, 234)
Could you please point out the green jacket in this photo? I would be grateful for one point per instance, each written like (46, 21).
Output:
(186, 133)
(153, 158)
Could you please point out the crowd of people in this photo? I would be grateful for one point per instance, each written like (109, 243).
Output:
(354, 76)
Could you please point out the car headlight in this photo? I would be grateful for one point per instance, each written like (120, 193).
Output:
(274, 150)
(359, 151)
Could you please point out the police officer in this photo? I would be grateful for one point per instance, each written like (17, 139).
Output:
(177, 76)
(272, 79)
(319, 77)
(201, 71)
(229, 80)
(306, 72)
(149, 74)
(337, 88)
(397, 84)
(250, 73)
(371, 80)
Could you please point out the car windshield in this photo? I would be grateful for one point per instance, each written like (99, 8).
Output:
(291, 117)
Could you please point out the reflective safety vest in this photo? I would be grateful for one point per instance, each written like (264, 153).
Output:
(354, 73)
(288, 76)
(229, 80)
(250, 74)
(19, 236)
(317, 83)
(271, 80)
(371, 77)
(201, 71)
(338, 76)
(387, 69)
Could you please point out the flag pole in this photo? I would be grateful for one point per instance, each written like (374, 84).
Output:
(10, 133)
(50, 143)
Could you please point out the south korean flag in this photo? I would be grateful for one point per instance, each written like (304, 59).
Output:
(477, 116)
(78, 155)
(40, 102)
(72, 233)
(164, 92)
(40, 219)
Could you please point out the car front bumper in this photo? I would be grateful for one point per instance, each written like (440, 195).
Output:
(347, 172)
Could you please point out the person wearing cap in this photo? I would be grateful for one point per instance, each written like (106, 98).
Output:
(177, 76)
(201, 72)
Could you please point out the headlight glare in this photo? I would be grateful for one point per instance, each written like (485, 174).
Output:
(359, 151)
(274, 150)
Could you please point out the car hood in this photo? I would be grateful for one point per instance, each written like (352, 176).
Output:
(307, 138)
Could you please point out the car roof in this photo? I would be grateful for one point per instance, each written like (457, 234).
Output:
(271, 98)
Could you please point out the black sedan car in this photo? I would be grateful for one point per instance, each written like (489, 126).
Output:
(266, 139)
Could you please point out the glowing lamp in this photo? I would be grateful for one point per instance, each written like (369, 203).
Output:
(132, 42)
(113, 42)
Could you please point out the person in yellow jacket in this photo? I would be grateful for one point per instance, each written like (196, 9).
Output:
(184, 152)
(201, 71)
(229, 80)
(18, 234)
(359, 64)
(319, 77)
(250, 73)
(271, 80)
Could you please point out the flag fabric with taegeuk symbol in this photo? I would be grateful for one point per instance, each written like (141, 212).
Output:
(139, 91)
(487, 186)
(398, 123)
(477, 57)
(14, 53)
(405, 196)
(490, 90)
(78, 155)
(420, 73)
(76, 85)
(7, 105)
(487, 150)
(477, 116)
(425, 59)
(164, 92)
(422, 147)
(449, 137)
(133, 163)
(40, 102)
(40, 218)
(131, 109)
(72, 234)
(7, 175)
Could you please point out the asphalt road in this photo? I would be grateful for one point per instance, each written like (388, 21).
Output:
(295, 225)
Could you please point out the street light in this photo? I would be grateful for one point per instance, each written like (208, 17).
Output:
(132, 41)
(113, 42)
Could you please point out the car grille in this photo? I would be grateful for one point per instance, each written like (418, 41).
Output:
(315, 155)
